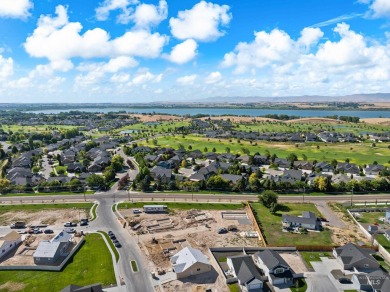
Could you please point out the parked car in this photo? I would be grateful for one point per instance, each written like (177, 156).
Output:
(48, 231)
(137, 211)
(110, 233)
(83, 223)
(222, 230)
(118, 245)
(115, 241)
(113, 237)
(37, 230)
(70, 224)
(345, 281)
(70, 230)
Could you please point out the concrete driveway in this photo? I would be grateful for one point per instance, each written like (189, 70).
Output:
(327, 212)
(322, 276)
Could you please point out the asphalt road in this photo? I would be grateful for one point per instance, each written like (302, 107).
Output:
(223, 198)
(106, 220)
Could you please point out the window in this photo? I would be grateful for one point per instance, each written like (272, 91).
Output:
(279, 270)
(198, 269)
(366, 265)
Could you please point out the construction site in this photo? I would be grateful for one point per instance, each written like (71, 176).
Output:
(162, 235)
(23, 254)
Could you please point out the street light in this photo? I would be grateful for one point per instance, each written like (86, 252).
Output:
(352, 197)
(303, 195)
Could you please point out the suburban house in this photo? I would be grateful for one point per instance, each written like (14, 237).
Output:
(325, 167)
(304, 165)
(89, 288)
(308, 220)
(274, 267)
(373, 170)
(387, 234)
(387, 215)
(245, 271)
(353, 257)
(160, 172)
(376, 281)
(49, 252)
(190, 261)
(346, 167)
(155, 208)
(9, 242)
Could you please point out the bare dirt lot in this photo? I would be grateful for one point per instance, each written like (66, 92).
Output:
(377, 121)
(237, 119)
(50, 217)
(156, 118)
(295, 262)
(160, 236)
(350, 233)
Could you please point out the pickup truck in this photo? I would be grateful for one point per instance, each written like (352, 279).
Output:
(17, 225)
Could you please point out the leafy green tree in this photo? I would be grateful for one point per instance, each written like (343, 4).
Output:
(117, 162)
(268, 198)
(109, 173)
(95, 181)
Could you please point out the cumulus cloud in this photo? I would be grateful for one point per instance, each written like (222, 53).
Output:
(143, 15)
(6, 67)
(266, 49)
(380, 8)
(310, 36)
(183, 52)
(146, 77)
(15, 8)
(349, 64)
(55, 38)
(187, 80)
(146, 15)
(213, 77)
(202, 22)
(103, 11)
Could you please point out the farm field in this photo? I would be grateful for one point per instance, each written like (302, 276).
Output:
(91, 264)
(360, 154)
(272, 226)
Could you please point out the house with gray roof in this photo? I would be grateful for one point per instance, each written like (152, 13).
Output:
(308, 220)
(353, 257)
(376, 281)
(245, 271)
(190, 261)
(50, 252)
(275, 268)
(164, 174)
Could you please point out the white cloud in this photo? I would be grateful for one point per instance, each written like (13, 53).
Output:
(213, 77)
(146, 77)
(310, 36)
(202, 22)
(15, 8)
(120, 78)
(266, 49)
(143, 15)
(183, 52)
(6, 67)
(280, 65)
(380, 8)
(187, 80)
(56, 39)
(146, 15)
(103, 11)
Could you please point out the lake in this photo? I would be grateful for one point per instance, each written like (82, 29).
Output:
(230, 111)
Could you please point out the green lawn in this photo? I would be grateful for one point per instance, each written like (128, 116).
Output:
(91, 264)
(385, 266)
(300, 287)
(272, 226)
(360, 153)
(111, 245)
(59, 168)
(184, 206)
(382, 240)
(309, 256)
(134, 266)
(234, 287)
(371, 217)
(94, 211)
(89, 192)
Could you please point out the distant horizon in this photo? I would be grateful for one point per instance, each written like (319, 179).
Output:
(182, 51)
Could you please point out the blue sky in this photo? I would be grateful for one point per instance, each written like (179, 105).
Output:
(175, 50)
